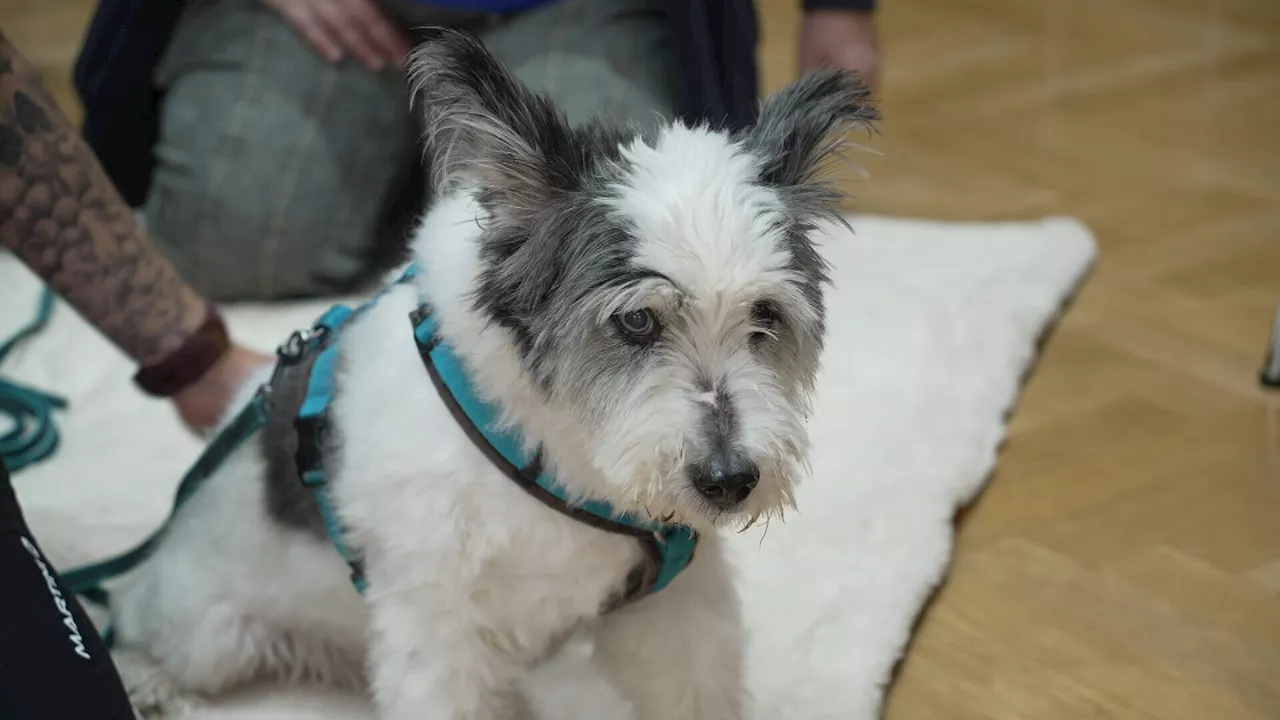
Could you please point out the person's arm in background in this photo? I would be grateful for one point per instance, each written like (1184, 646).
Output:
(841, 34)
(60, 214)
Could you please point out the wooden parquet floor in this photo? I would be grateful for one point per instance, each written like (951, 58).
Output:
(1125, 560)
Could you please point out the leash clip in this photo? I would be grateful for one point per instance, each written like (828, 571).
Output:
(292, 348)
(298, 343)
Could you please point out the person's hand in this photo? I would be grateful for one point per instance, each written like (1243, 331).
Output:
(203, 403)
(336, 28)
(843, 39)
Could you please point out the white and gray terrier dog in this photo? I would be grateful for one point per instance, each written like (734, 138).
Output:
(646, 305)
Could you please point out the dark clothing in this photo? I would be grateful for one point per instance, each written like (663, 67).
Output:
(715, 42)
(53, 664)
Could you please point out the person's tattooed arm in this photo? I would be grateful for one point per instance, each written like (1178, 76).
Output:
(61, 215)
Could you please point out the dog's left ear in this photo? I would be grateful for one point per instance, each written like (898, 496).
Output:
(802, 127)
(482, 124)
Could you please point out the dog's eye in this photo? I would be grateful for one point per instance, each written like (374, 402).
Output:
(638, 326)
(765, 319)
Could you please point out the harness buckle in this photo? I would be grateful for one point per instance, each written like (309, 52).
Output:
(300, 341)
(291, 349)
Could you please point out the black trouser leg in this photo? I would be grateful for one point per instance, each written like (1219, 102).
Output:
(53, 664)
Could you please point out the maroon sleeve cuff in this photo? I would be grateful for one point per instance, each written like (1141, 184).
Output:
(187, 364)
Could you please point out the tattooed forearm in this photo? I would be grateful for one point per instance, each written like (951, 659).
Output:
(62, 216)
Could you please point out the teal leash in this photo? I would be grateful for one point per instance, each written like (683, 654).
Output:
(88, 581)
(34, 435)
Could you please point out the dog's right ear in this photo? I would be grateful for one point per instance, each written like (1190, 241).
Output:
(482, 124)
(801, 128)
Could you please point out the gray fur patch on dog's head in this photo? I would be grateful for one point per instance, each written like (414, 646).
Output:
(550, 244)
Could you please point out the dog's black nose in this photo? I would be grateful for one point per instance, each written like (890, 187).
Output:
(725, 479)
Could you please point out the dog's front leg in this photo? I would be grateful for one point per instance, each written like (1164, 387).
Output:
(678, 655)
(428, 658)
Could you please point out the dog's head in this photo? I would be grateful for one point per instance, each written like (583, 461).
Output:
(660, 288)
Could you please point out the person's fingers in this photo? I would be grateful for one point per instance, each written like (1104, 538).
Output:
(304, 21)
(812, 49)
(390, 42)
(808, 60)
(865, 61)
(338, 18)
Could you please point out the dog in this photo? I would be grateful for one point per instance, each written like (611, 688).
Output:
(643, 305)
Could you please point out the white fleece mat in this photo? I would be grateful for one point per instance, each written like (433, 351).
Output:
(932, 327)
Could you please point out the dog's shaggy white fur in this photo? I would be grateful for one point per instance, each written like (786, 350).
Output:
(646, 306)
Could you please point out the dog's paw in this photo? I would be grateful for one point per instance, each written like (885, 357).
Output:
(152, 691)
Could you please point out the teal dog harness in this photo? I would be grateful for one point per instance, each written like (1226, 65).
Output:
(308, 360)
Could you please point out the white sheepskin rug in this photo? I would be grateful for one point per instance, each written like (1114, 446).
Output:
(933, 326)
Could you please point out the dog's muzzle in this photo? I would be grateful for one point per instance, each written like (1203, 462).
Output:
(725, 478)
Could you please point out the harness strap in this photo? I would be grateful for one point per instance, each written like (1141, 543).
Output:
(668, 549)
(296, 355)
(319, 356)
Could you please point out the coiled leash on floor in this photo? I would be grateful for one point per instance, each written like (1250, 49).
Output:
(34, 435)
